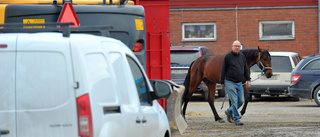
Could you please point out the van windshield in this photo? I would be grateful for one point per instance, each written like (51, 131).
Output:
(183, 57)
(279, 64)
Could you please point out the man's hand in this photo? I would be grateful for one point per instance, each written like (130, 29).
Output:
(248, 84)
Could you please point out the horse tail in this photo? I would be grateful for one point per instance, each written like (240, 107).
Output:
(186, 84)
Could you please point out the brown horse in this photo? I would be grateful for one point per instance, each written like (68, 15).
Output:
(207, 69)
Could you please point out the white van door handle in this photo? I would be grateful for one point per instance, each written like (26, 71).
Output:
(4, 132)
(144, 120)
(138, 120)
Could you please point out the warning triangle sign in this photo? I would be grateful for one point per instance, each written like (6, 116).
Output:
(68, 15)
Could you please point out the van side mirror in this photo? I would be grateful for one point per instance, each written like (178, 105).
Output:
(162, 89)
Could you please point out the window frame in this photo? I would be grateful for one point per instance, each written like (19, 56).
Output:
(199, 24)
(308, 63)
(277, 37)
(147, 102)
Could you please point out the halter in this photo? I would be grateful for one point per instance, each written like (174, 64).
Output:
(263, 68)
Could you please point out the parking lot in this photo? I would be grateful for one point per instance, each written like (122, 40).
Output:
(265, 117)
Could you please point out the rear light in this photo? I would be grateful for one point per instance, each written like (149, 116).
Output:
(295, 78)
(137, 47)
(199, 53)
(3, 45)
(84, 116)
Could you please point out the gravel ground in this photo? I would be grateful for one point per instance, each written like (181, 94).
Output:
(265, 117)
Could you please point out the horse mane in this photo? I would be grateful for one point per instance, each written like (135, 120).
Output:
(250, 55)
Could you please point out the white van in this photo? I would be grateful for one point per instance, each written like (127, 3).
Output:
(282, 65)
(81, 85)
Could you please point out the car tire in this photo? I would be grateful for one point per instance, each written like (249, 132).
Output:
(222, 92)
(316, 96)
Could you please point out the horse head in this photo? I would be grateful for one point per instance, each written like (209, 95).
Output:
(264, 62)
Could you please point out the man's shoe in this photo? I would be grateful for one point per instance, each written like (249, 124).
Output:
(229, 117)
(238, 123)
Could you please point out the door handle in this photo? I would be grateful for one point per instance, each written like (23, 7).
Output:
(4, 132)
(138, 121)
(144, 120)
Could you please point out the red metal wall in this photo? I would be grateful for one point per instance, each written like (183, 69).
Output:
(158, 39)
(239, 3)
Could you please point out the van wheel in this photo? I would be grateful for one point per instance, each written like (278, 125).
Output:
(316, 96)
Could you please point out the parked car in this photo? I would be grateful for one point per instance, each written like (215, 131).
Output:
(181, 58)
(55, 85)
(282, 65)
(305, 79)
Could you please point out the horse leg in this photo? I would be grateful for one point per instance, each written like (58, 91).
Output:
(186, 103)
(246, 100)
(212, 91)
(194, 83)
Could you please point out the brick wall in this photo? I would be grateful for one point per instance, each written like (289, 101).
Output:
(306, 28)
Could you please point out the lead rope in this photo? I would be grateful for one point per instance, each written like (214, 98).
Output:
(263, 68)
(224, 99)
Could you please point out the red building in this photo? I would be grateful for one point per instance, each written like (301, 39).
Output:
(280, 25)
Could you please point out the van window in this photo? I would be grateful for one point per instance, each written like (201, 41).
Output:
(42, 80)
(183, 57)
(117, 62)
(279, 64)
(295, 60)
(99, 77)
(139, 80)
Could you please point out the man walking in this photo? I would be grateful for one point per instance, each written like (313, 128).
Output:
(234, 68)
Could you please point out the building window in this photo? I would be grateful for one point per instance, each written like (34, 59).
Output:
(276, 30)
(199, 32)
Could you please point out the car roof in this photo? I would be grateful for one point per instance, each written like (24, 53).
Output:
(312, 56)
(282, 53)
(306, 60)
(74, 37)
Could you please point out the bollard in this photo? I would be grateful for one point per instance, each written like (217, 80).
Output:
(177, 123)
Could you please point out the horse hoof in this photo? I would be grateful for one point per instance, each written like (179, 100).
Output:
(221, 121)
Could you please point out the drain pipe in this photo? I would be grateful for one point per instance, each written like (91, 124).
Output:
(318, 26)
(237, 24)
